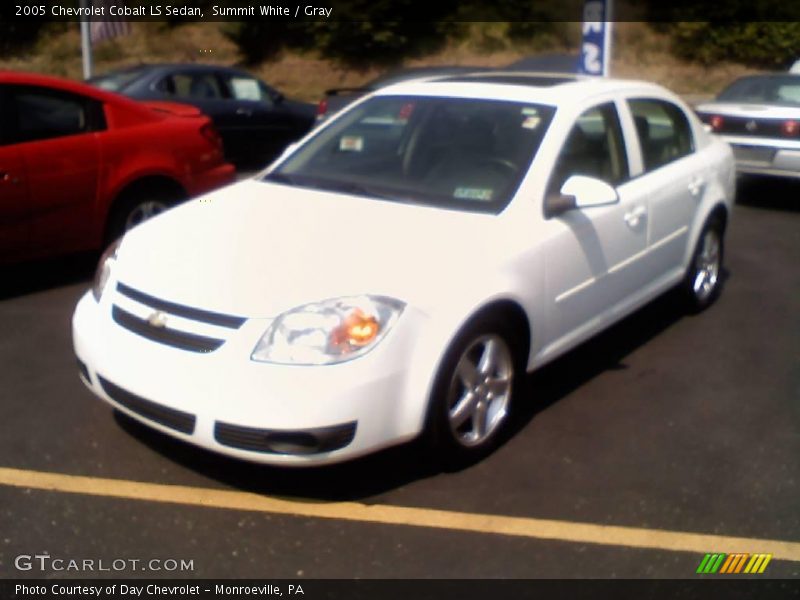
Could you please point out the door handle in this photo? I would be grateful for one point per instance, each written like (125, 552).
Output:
(633, 217)
(696, 185)
(244, 111)
(6, 177)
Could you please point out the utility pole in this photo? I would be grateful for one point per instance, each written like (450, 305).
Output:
(86, 39)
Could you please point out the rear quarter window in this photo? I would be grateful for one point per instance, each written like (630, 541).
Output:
(37, 113)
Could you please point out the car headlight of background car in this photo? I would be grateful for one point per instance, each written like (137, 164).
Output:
(103, 271)
(328, 332)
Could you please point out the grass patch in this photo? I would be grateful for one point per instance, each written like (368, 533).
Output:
(639, 53)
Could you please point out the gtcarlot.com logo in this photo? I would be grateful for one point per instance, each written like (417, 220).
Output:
(734, 564)
(45, 562)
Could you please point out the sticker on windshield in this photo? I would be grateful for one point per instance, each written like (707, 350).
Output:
(467, 193)
(405, 111)
(531, 122)
(351, 143)
(530, 110)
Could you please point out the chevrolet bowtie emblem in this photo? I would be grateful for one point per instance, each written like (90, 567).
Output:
(157, 319)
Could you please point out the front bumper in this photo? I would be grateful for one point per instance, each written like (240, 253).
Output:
(223, 401)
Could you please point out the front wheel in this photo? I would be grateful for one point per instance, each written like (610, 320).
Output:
(703, 280)
(471, 400)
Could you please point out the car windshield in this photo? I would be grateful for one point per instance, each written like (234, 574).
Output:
(767, 89)
(458, 153)
(114, 82)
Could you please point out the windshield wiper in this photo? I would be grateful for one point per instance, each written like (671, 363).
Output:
(281, 178)
(332, 185)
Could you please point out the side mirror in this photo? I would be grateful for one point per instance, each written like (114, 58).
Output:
(277, 97)
(580, 191)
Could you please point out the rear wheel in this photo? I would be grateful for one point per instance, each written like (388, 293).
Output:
(703, 280)
(471, 400)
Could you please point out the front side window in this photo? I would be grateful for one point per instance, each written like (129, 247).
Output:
(459, 153)
(41, 113)
(594, 148)
(663, 130)
(118, 80)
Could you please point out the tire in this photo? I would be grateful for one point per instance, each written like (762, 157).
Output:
(702, 283)
(137, 206)
(470, 404)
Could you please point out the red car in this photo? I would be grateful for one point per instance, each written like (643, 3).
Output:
(79, 166)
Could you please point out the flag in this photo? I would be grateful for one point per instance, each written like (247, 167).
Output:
(596, 46)
(105, 30)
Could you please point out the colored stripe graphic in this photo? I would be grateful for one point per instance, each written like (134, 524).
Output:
(711, 563)
(733, 563)
(758, 563)
(704, 564)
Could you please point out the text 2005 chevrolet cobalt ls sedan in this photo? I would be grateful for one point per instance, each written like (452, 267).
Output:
(399, 271)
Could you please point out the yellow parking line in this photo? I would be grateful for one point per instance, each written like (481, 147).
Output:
(564, 531)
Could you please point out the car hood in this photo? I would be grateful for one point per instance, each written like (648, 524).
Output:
(256, 249)
(751, 111)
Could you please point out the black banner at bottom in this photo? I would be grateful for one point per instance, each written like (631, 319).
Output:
(406, 589)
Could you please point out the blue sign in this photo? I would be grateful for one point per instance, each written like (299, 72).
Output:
(595, 48)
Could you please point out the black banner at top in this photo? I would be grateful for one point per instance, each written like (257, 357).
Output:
(394, 10)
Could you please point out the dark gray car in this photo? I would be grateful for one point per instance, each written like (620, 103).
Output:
(336, 99)
(256, 121)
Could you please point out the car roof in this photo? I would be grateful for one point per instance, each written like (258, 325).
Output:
(66, 85)
(166, 67)
(542, 87)
(406, 73)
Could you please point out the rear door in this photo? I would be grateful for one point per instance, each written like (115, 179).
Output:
(271, 125)
(205, 90)
(14, 203)
(674, 175)
(55, 133)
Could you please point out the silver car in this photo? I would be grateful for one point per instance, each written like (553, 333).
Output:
(759, 116)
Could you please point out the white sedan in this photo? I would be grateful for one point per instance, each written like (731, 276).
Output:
(400, 270)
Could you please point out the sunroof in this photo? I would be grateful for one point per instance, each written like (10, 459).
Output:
(512, 79)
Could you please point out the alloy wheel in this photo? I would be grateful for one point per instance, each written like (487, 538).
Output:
(144, 211)
(480, 391)
(707, 266)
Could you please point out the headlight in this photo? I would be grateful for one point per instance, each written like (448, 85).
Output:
(328, 332)
(103, 271)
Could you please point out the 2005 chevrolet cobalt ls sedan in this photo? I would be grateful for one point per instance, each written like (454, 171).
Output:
(399, 270)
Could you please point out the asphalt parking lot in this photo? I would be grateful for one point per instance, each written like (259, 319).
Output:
(665, 438)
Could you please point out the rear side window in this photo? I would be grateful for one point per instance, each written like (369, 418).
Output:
(663, 130)
(197, 86)
(241, 87)
(5, 117)
(42, 113)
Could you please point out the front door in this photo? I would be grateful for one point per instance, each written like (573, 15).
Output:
(57, 139)
(594, 254)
